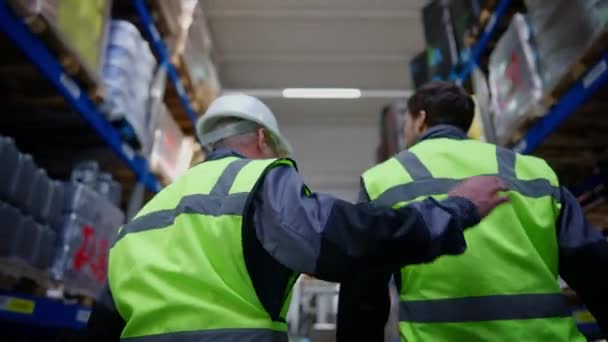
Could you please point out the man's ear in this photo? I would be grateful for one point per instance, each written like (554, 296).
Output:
(420, 122)
(261, 139)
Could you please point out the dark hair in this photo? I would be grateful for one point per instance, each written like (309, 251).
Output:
(445, 103)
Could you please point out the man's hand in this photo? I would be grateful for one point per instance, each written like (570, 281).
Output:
(483, 191)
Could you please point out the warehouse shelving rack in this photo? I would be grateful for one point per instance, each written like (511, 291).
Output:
(40, 312)
(483, 41)
(577, 94)
(17, 30)
(581, 91)
(161, 51)
(43, 313)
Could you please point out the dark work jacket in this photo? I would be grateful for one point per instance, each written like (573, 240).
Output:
(583, 263)
(287, 229)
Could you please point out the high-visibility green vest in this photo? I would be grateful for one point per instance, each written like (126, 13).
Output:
(177, 271)
(504, 287)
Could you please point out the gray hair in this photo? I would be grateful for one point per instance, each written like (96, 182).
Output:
(232, 132)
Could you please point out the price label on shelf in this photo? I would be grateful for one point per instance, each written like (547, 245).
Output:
(83, 316)
(17, 305)
(70, 85)
(594, 74)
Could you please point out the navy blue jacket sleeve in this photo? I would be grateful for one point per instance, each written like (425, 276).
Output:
(330, 238)
(105, 323)
(364, 301)
(583, 258)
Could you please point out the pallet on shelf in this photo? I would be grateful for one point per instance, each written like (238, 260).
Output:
(67, 56)
(16, 274)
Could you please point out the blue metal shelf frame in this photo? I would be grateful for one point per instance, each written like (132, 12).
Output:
(162, 53)
(42, 312)
(482, 43)
(578, 94)
(35, 50)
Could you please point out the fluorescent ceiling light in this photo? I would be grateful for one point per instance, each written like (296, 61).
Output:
(321, 93)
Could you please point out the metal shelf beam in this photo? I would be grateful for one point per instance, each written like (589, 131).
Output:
(16, 29)
(158, 46)
(576, 96)
(42, 312)
(482, 43)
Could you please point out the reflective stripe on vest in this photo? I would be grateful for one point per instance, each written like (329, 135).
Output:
(484, 308)
(425, 185)
(504, 287)
(177, 270)
(220, 335)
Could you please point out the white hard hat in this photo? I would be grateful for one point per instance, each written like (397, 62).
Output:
(244, 107)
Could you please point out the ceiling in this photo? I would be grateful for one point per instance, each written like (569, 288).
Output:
(276, 44)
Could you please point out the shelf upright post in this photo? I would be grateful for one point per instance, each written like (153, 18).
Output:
(159, 47)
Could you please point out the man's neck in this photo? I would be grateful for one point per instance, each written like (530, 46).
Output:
(443, 131)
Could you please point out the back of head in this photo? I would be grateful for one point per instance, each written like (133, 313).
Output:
(444, 103)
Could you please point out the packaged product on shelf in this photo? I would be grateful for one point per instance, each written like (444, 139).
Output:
(197, 61)
(175, 18)
(441, 44)
(11, 220)
(38, 202)
(484, 104)
(9, 172)
(26, 174)
(464, 14)
(107, 187)
(90, 222)
(515, 83)
(56, 204)
(171, 152)
(86, 173)
(128, 70)
(79, 25)
(47, 248)
(563, 30)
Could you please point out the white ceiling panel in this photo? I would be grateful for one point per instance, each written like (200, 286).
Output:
(275, 44)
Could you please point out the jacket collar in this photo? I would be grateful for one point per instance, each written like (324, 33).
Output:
(223, 153)
(443, 131)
